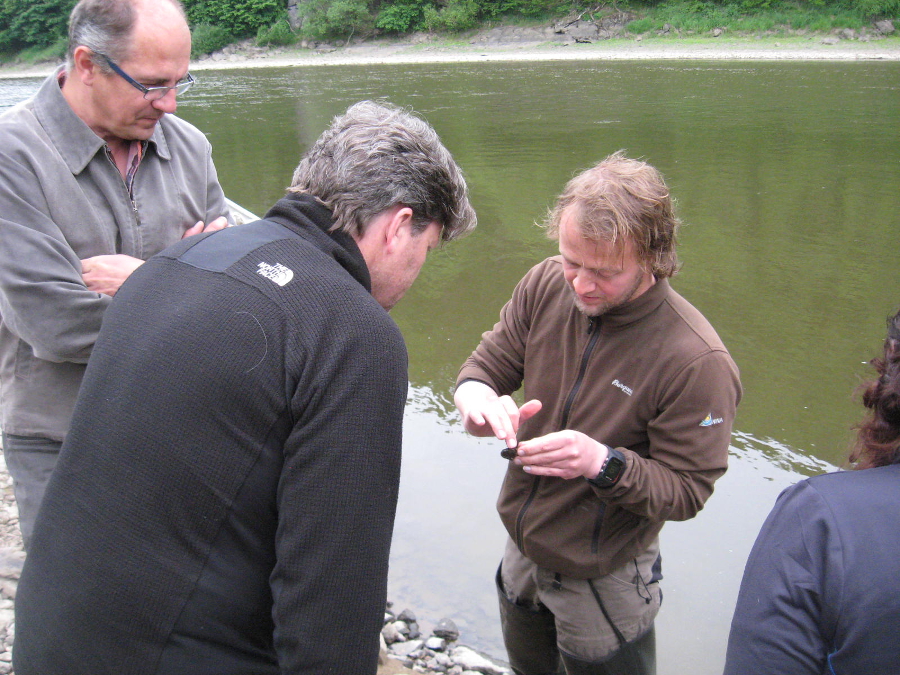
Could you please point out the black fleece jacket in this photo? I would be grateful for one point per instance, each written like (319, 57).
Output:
(224, 502)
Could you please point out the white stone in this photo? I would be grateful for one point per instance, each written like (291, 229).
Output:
(391, 634)
(469, 659)
(435, 643)
(406, 648)
(443, 660)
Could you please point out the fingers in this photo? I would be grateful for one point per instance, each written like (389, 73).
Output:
(509, 420)
(484, 413)
(106, 273)
(566, 454)
(501, 415)
(529, 410)
(218, 224)
(191, 231)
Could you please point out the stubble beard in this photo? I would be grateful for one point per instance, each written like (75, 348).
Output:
(594, 311)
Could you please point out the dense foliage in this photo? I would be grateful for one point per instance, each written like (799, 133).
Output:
(32, 23)
(41, 24)
(239, 17)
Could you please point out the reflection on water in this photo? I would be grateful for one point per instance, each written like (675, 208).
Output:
(785, 175)
(786, 178)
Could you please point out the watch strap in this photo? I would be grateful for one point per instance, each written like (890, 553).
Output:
(611, 471)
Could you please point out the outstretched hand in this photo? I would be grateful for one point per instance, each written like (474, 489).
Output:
(484, 413)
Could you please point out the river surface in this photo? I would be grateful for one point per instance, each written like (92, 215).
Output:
(786, 177)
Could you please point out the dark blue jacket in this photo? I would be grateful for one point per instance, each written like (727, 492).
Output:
(819, 593)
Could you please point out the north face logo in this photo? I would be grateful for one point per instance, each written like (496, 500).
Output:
(277, 273)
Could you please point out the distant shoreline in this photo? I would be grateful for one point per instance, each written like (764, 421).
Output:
(444, 50)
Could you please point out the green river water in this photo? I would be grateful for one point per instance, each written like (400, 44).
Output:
(787, 178)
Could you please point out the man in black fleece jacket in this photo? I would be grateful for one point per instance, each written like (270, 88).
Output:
(225, 500)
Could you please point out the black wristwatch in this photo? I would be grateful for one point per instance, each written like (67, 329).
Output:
(611, 471)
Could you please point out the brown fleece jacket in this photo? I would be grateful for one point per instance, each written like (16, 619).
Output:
(650, 378)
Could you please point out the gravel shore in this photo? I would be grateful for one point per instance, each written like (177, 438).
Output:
(12, 555)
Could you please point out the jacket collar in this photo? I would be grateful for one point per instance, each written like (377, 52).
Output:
(312, 220)
(635, 310)
(76, 143)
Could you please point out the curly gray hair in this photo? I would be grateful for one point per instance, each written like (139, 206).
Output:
(375, 156)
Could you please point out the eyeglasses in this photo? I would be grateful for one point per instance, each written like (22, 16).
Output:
(151, 93)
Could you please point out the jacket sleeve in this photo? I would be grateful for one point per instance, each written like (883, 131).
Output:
(336, 504)
(778, 623)
(215, 197)
(688, 443)
(499, 359)
(43, 298)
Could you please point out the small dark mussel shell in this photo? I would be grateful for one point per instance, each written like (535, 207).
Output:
(509, 453)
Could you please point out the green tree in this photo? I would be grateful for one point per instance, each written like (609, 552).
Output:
(33, 23)
(401, 17)
(324, 19)
(239, 17)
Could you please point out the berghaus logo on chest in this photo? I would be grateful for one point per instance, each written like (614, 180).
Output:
(627, 390)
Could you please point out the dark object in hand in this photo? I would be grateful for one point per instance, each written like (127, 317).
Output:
(509, 453)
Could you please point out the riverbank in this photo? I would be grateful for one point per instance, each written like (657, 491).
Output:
(12, 555)
(540, 43)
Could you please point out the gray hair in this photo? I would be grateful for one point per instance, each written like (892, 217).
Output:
(376, 156)
(105, 27)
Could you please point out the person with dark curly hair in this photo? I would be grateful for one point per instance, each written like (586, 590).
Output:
(818, 591)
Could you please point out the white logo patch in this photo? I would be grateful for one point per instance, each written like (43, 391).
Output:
(621, 386)
(277, 273)
(709, 421)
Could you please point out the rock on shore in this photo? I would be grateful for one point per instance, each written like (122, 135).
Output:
(12, 555)
(403, 644)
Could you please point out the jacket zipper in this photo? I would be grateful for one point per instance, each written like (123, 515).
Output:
(594, 332)
(128, 191)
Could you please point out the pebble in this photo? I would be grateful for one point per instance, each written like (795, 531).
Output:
(437, 653)
(12, 555)
(447, 629)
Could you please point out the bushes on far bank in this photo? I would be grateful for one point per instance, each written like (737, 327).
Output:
(697, 16)
(35, 29)
(207, 38)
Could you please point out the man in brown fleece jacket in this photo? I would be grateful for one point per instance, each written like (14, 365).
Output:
(631, 398)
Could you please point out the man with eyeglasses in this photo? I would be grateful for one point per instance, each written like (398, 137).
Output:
(225, 498)
(96, 176)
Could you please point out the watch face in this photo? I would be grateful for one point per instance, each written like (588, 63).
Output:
(613, 469)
